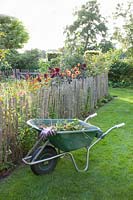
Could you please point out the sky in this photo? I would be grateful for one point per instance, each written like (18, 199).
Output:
(45, 20)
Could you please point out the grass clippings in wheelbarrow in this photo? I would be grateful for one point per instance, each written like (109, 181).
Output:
(60, 126)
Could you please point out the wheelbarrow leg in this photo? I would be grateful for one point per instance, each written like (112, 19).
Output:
(27, 158)
(75, 164)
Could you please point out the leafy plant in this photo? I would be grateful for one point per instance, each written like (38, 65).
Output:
(43, 66)
(68, 126)
(121, 73)
(96, 62)
(26, 138)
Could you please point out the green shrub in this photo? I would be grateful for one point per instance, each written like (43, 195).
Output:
(97, 62)
(52, 55)
(121, 73)
(26, 138)
(68, 60)
(43, 66)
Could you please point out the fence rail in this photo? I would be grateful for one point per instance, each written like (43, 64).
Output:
(62, 100)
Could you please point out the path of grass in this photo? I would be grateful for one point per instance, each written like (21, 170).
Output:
(110, 175)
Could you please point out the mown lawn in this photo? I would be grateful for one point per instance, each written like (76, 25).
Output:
(110, 174)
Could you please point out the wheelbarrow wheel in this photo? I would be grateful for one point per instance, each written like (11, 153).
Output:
(47, 166)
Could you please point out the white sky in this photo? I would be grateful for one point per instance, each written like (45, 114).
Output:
(45, 20)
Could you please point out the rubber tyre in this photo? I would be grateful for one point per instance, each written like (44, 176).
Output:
(45, 167)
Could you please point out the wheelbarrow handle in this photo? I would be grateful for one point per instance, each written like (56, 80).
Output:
(29, 122)
(90, 116)
(110, 129)
(120, 125)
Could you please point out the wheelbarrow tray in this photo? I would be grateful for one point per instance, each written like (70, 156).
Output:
(68, 140)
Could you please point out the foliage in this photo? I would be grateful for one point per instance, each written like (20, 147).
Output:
(43, 66)
(121, 73)
(2, 54)
(120, 66)
(68, 60)
(96, 62)
(6, 168)
(26, 60)
(92, 63)
(51, 55)
(105, 45)
(68, 126)
(85, 30)
(29, 59)
(124, 33)
(75, 72)
(14, 33)
(103, 101)
(4, 65)
(13, 57)
(17, 107)
(65, 67)
(55, 62)
(26, 138)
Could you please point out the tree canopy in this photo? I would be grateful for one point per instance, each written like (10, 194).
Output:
(88, 28)
(13, 33)
(27, 60)
(124, 33)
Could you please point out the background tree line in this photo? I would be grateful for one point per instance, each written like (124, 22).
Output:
(89, 31)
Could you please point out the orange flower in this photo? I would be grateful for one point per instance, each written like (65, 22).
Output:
(63, 74)
(73, 76)
(21, 93)
(35, 81)
(36, 86)
(68, 72)
(78, 64)
(49, 78)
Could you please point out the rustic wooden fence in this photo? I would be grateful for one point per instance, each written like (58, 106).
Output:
(70, 100)
(60, 100)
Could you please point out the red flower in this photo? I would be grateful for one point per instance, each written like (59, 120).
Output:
(55, 72)
(83, 66)
(57, 69)
(45, 75)
(39, 78)
(27, 76)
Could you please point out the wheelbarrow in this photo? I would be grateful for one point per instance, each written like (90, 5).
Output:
(44, 155)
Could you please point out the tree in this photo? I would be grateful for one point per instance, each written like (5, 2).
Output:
(29, 59)
(13, 57)
(13, 33)
(87, 29)
(124, 33)
(106, 45)
(3, 63)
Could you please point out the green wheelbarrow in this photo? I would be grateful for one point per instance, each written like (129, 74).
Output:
(44, 155)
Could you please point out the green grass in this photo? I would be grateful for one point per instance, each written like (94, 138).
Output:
(110, 174)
